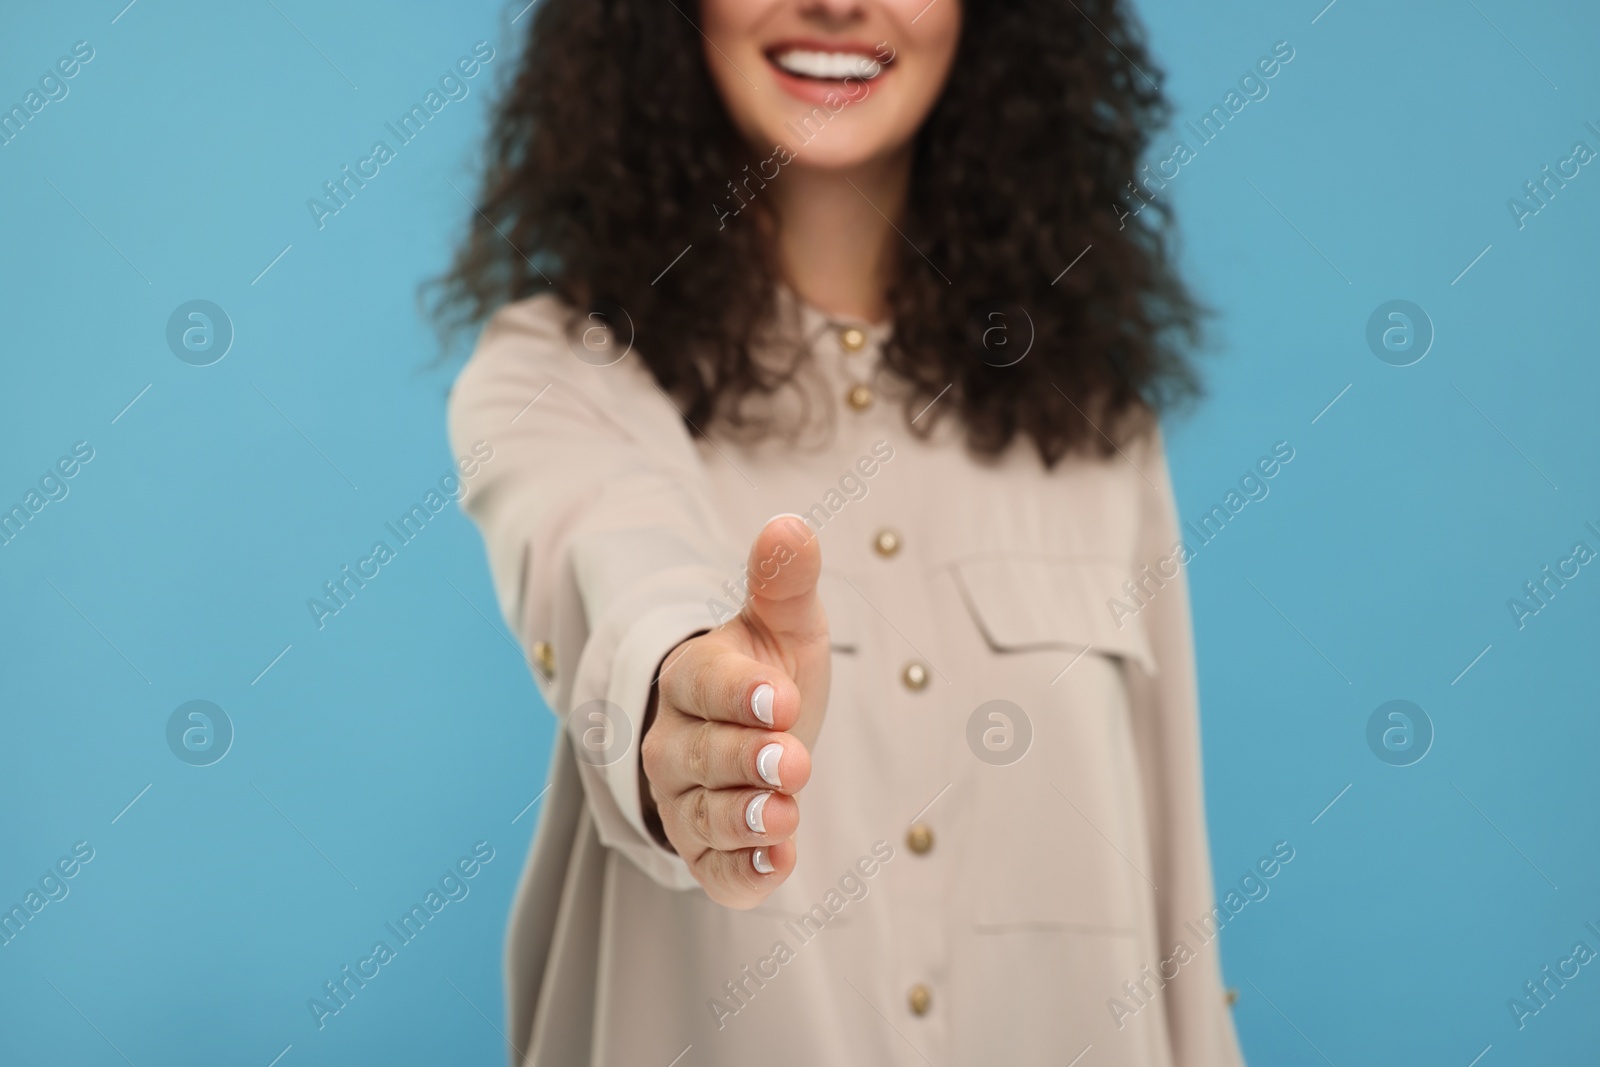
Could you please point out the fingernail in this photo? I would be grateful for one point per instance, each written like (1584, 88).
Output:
(801, 519)
(767, 764)
(752, 812)
(761, 703)
(761, 863)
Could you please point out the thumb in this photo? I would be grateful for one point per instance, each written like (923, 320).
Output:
(785, 563)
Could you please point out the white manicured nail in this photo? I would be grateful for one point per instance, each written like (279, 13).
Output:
(752, 812)
(767, 764)
(761, 703)
(761, 863)
(801, 519)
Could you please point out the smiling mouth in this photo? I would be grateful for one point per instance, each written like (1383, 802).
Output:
(825, 66)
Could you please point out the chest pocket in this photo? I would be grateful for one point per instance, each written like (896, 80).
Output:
(1058, 833)
(1022, 603)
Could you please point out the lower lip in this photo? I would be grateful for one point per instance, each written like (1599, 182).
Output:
(815, 91)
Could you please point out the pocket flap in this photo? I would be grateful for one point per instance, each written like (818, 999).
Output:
(1022, 603)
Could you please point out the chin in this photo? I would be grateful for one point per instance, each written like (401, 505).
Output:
(847, 151)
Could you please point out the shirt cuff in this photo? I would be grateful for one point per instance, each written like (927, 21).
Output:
(614, 785)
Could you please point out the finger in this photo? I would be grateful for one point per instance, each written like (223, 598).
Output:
(735, 879)
(710, 680)
(684, 752)
(784, 565)
(732, 818)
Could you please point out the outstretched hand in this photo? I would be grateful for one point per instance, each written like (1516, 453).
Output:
(737, 712)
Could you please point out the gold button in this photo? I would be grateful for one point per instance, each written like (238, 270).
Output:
(915, 676)
(921, 998)
(1231, 995)
(919, 838)
(544, 658)
(859, 397)
(852, 338)
(887, 542)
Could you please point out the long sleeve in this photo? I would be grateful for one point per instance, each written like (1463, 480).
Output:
(602, 545)
(1167, 734)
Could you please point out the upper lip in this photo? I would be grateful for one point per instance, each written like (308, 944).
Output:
(812, 44)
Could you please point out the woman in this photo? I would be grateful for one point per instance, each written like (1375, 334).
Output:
(858, 263)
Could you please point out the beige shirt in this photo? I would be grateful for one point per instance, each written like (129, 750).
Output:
(978, 882)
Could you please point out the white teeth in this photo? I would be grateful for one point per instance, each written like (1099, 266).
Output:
(830, 66)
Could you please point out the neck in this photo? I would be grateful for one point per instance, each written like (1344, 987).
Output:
(836, 246)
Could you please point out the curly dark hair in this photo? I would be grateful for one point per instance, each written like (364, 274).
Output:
(610, 147)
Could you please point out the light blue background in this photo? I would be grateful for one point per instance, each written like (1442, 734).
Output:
(179, 565)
